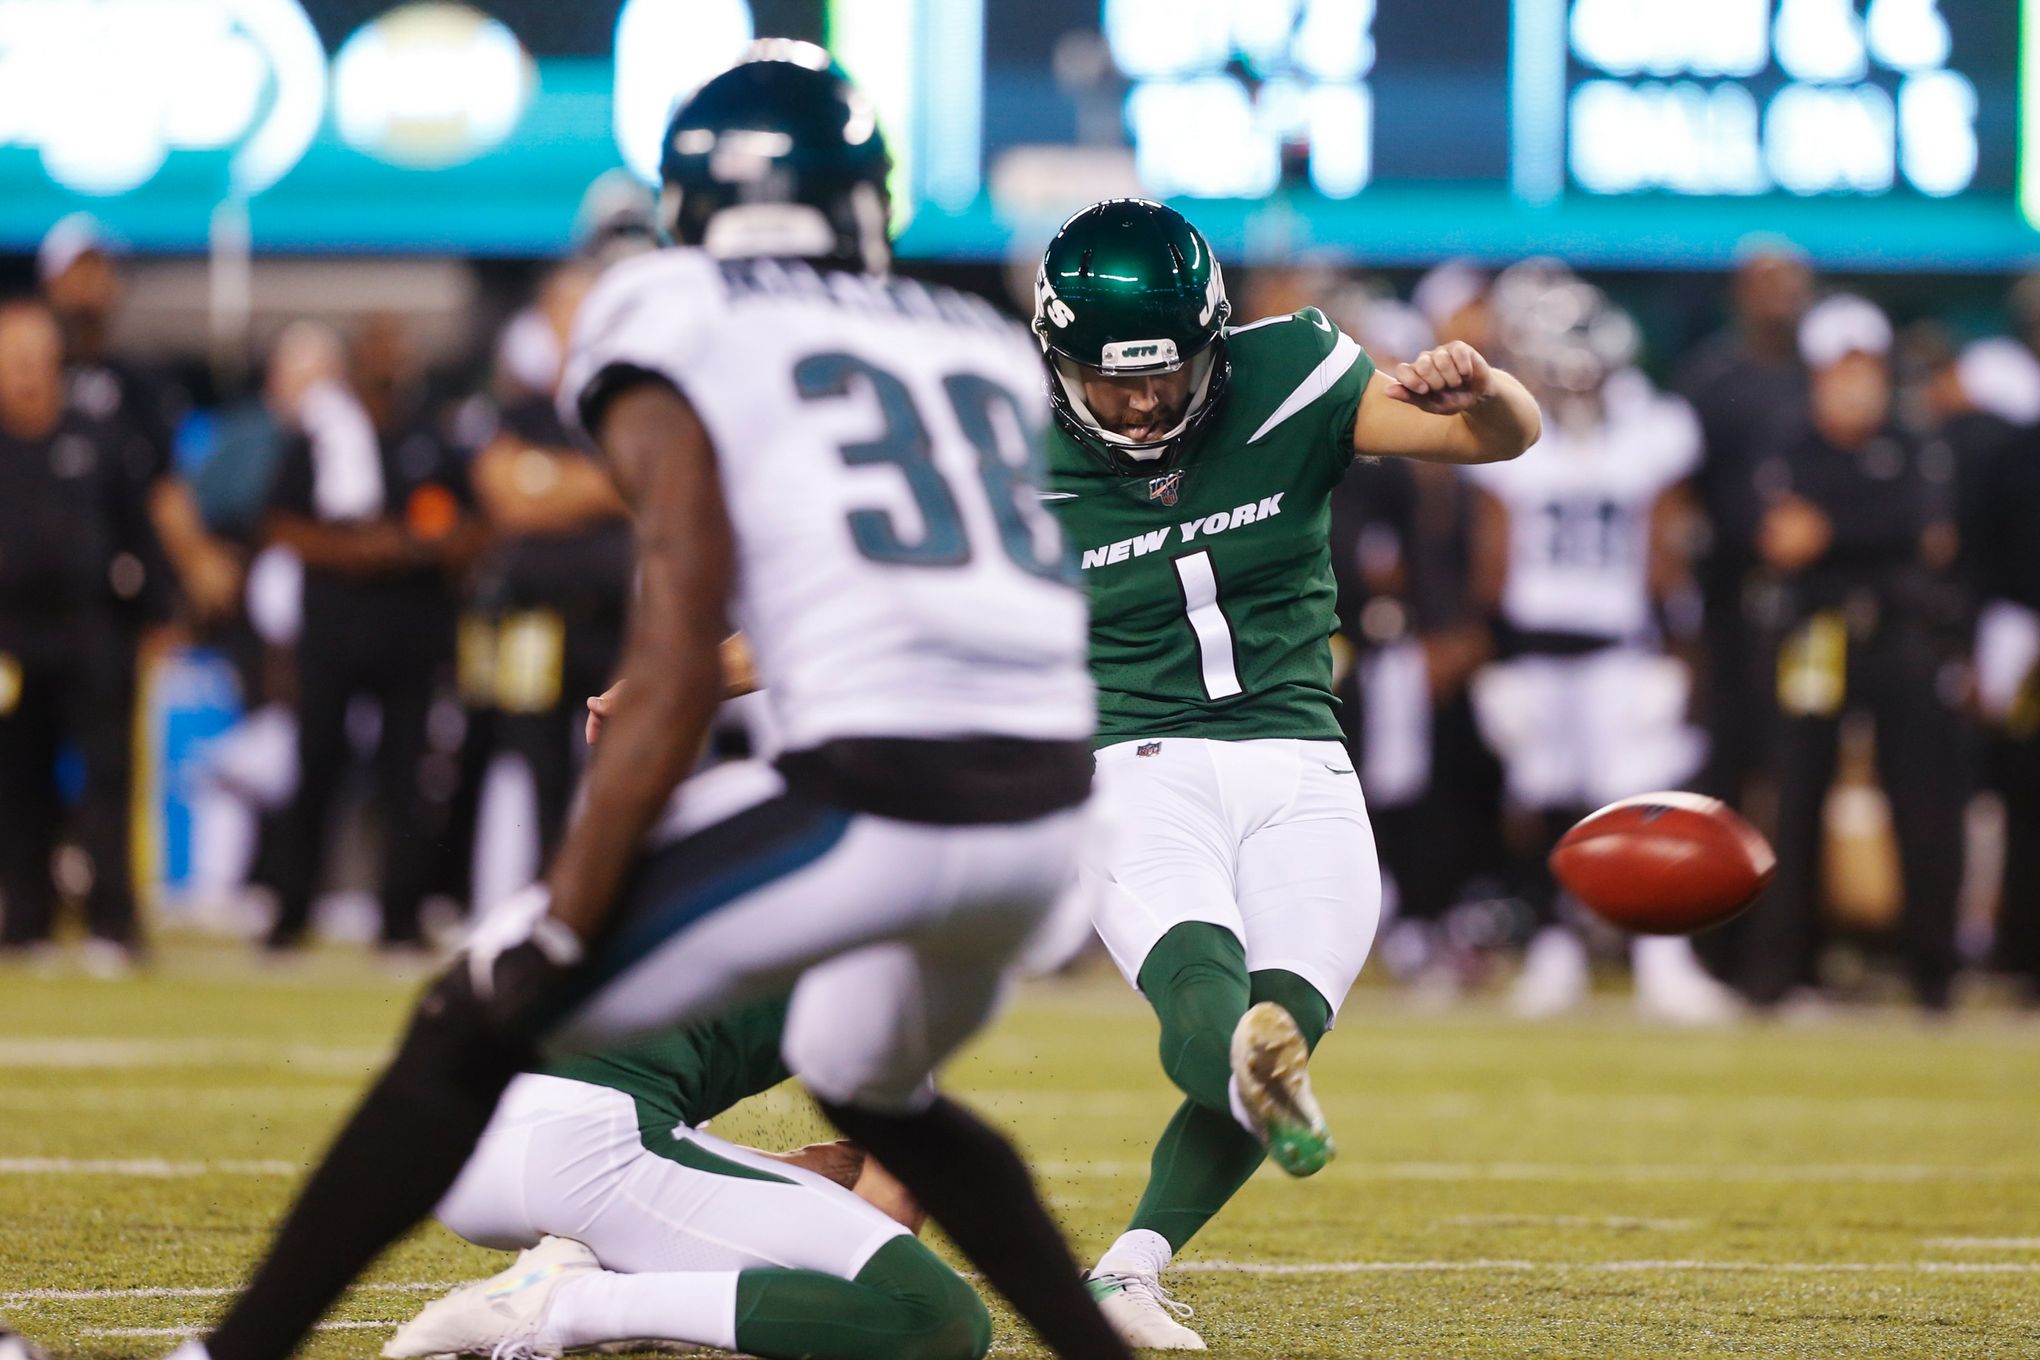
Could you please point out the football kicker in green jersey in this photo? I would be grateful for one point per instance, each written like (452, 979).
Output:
(1211, 579)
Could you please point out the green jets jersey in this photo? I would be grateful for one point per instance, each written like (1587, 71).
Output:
(1211, 583)
(691, 1074)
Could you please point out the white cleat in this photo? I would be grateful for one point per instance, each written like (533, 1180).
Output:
(1673, 986)
(1142, 1312)
(1554, 979)
(502, 1316)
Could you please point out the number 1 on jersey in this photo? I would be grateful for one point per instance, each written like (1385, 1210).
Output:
(1207, 620)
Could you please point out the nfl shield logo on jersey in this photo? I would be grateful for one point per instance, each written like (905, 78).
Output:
(1165, 489)
(1148, 748)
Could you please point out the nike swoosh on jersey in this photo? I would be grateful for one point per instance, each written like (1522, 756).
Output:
(1056, 495)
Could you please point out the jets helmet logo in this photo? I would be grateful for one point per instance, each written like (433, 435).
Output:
(1047, 304)
(1214, 295)
(1165, 488)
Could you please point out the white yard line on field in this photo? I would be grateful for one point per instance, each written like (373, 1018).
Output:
(1612, 1267)
(117, 1053)
(196, 1328)
(1724, 1173)
(152, 1101)
(21, 1296)
(1254, 1268)
(1881, 1173)
(150, 1168)
(1616, 1221)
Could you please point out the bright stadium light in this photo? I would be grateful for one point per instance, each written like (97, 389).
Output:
(876, 43)
(1821, 139)
(953, 81)
(1868, 97)
(665, 50)
(1821, 40)
(1672, 37)
(1198, 129)
(1908, 35)
(246, 76)
(1937, 132)
(430, 84)
(1168, 39)
(2029, 113)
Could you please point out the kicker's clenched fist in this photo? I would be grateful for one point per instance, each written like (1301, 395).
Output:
(1443, 381)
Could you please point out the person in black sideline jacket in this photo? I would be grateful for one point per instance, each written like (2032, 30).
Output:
(560, 572)
(1859, 533)
(375, 502)
(66, 574)
(2001, 545)
(1743, 384)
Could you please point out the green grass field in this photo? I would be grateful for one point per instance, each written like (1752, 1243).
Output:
(1861, 1187)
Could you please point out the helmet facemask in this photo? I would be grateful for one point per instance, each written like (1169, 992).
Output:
(1069, 376)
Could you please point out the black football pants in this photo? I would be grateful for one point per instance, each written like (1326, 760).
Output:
(332, 672)
(1924, 766)
(76, 690)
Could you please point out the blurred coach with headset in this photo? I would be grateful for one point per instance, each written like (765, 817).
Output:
(67, 578)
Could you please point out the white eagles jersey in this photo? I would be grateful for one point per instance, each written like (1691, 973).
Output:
(1579, 505)
(879, 447)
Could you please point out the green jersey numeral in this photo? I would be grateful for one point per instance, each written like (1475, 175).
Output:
(1011, 463)
(1214, 634)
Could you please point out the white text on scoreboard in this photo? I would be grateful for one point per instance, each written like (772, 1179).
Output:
(1220, 87)
(1752, 96)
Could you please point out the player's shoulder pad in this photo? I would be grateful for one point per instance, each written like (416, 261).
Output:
(1283, 364)
(1290, 334)
(648, 315)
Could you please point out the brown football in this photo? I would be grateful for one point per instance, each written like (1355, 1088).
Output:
(1665, 863)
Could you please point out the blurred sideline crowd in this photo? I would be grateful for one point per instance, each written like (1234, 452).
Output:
(1798, 571)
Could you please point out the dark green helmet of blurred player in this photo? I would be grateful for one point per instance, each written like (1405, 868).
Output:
(778, 156)
(1128, 287)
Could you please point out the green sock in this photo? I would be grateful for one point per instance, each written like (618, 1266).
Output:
(1204, 1156)
(904, 1305)
(1196, 979)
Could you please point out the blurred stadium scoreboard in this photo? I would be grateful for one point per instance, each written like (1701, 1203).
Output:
(1898, 134)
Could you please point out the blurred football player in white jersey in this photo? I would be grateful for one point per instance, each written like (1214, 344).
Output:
(846, 466)
(1577, 546)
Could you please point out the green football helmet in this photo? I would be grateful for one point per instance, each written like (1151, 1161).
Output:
(1128, 287)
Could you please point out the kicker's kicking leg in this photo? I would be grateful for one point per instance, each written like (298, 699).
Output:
(1196, 978)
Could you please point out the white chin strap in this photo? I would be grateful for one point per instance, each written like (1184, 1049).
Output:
(1146, 451)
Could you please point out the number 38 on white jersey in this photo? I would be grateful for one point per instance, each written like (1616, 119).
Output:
(879, 448)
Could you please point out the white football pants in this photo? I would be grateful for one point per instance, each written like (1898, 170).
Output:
(896, 938)
(1267, 839)
(566, 1159)
(1581, 731)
